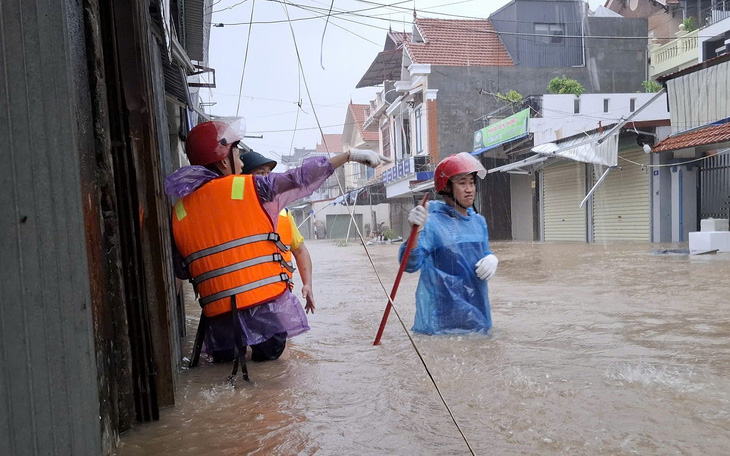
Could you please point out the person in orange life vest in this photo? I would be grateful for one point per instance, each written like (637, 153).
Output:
(218, 216)
(256, 164)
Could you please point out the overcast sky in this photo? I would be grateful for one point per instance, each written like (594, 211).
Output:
(272, 82)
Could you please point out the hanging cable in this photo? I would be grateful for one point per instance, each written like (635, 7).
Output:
(367, 252)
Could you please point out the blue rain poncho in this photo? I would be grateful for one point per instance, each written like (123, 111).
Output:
(450, 298)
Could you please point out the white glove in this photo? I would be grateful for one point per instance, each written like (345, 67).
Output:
(487, 267)
(418, 215)
(366, 157)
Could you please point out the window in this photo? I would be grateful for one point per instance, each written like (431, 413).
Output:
(406, 130)
(402, 135)
(632, 105)
(554, 32)
(605, 105)
(385, 133)
(576, 106)
(419, 129)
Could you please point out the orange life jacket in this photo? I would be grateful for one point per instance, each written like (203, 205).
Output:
(229, 245)
(287, 235)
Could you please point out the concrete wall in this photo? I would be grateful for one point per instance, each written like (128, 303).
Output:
(460, 102)
(559, 120)
(710, 33)
(661, 200)
(522, 213)
(616, 65)
(684, 202)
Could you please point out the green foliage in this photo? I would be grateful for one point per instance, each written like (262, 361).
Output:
(563, 84)
(651, 86)
(512, 96)
(388, 235)
(690, 24)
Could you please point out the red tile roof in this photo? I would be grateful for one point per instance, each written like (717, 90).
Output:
(359, 113)
(714, 134)
(334, 144)
(454, 42)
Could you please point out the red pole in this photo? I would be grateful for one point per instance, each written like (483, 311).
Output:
(406, 254)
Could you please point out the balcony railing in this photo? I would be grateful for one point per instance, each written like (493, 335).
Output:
(717, 12)
(675, 55)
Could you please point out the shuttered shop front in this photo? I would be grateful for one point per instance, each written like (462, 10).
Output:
(621, 204)
(564, 187)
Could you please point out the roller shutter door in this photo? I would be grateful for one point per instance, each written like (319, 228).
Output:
(564, 187)
(337, 225)
(621, 204)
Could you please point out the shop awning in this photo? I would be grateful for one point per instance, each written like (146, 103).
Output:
(595, 148)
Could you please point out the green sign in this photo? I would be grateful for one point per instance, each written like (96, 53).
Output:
(514, 126)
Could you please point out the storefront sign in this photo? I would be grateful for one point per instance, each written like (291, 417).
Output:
(513, 127)
(398, 171)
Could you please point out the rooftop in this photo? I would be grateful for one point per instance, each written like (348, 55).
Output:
(453, 42)
(359, 113)
(709, 135)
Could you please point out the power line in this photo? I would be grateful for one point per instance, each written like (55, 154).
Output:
(339, 12)
(475, 29)
(362, 240)
(245, 58)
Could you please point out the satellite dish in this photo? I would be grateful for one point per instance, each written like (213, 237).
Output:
(390, 96)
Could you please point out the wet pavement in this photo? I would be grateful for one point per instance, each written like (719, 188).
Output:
(605, 349)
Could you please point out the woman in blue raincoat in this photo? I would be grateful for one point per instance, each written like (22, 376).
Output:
(452, 253)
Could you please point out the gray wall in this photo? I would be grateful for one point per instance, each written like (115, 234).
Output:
(522, 216)
(616, 65)
(684, 202)
(48, 387)
(661, 200)
(460, 102)
(532, 51)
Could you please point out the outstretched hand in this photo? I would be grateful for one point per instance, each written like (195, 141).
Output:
(366, 157)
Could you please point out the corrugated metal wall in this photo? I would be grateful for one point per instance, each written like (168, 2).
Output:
(48, 388)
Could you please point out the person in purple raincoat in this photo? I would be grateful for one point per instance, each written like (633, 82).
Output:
(212, 148)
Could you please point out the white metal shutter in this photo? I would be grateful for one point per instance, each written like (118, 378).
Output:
(621, 205)
(564, 187)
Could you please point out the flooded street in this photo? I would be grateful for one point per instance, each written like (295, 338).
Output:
(596, 349)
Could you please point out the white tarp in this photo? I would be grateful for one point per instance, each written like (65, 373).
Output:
(585, 149)
(700, 97)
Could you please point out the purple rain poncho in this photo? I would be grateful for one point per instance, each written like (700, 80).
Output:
(276, 190)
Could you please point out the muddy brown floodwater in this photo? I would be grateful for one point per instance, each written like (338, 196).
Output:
(597, 349)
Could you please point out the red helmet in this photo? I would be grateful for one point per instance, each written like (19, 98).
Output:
(460, 163)
(210, 142)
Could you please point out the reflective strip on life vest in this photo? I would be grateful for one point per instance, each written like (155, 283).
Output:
(276, 258)
(244, 288)
(274, 237)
